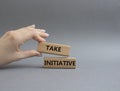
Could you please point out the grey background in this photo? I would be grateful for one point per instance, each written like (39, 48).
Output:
(91, 27)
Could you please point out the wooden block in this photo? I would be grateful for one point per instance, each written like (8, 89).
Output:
(53, 48)
(60, 62)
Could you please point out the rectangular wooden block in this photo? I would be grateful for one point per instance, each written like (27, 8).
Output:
(60, 62)
(53, 48)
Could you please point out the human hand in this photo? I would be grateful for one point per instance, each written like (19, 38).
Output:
(11, 41)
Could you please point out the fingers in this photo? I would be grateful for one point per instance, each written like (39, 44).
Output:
(38, 38)
(30, 32)
(40, 35)
(27, 54)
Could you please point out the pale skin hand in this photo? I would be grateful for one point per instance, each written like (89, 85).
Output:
(11, 41)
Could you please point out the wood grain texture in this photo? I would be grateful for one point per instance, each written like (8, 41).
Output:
(60, 62)
(53, 48)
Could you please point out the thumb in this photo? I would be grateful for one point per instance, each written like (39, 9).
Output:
(27, 54)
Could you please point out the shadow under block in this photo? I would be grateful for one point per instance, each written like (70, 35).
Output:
(60, 62)
(53, 48)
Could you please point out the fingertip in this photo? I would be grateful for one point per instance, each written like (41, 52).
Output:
(42, 40)
(37, 53)
(40, 55)
(47, 34)
(44, 35)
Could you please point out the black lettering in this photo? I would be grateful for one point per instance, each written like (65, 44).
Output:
(59, 49)
(55, 62)
(55, 48)
(47, 46)
(71, 62)
(51, 48)
(60, 63)
(74, 63)
(65, 62)
(48, 62)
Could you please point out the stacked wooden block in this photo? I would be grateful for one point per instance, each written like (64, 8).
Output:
(57, 49)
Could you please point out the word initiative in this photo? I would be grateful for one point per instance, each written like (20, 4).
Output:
(59, 62)
(57, 49)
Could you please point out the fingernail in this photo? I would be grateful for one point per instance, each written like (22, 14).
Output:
(37, 53)
(42, 40)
